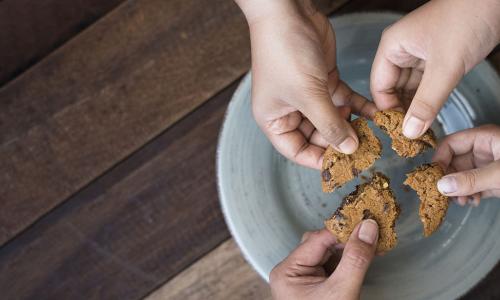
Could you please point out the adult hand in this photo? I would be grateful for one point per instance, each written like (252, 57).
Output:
(473, 157)
(423, 56)
(302, 276)
(296, 90)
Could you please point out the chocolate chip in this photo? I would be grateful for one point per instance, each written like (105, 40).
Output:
(386, 207)
(326, 175)
(339, 216)
(367, 214)
(383, 128)
(355, 171)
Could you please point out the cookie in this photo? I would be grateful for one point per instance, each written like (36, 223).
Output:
(374, 200)
(339, 168)
(433, 205)
(391, 121)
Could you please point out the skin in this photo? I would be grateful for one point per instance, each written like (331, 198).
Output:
(300, 102)
(422, 57)
(472, 158)
(302, 274)
(298, 99)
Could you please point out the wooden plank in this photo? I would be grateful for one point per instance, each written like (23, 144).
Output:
(131, 230)
(104, 94)
(33, 29)
(221, 274)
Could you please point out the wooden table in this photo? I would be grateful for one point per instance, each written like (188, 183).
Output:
(109, 116)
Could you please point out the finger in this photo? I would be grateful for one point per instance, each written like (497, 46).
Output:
(307, 128)
(462, 200)
(294, 146)
(329, 122)
(472, 181)
(311, 253)
(474, 200)
(436, 85)
(343, 95)
(384, 78)
(479, 140)
(317, 139)
(463, 162)
(358, 254)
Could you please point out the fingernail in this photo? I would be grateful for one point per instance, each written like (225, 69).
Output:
(447, 185)
(413, 127)
(348, 146)
(368, 231)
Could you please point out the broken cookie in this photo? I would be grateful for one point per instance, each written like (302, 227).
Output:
(339, 168)
(374, 200)
(433, 205)
(391, 121)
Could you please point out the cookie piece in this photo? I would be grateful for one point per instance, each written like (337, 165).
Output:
(339, 168)
(433, 205)
(374, 200)
(391, 121)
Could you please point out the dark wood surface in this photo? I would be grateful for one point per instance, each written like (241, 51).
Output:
(107, 150)
(108, 91)
(133, 228)
(29, 30)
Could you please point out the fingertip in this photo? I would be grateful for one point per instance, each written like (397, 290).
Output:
(348, 146)
(368, 231)
(413, 127)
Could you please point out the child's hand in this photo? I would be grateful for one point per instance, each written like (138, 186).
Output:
(473, 158)
(296, 90)
(423, 56)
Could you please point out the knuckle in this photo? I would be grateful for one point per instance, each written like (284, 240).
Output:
(335, 133)
(470, 179)
(423, 110)
(357, 257)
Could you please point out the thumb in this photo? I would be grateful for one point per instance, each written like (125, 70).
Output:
(472, 181)
(329, 122)
(432, 92)
(357, 256)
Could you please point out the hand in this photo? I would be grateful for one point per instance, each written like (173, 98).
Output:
(423, 56)
(298, 99)
(302, 275)
(473, 158)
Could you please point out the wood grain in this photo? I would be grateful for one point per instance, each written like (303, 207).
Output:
(221, 274)
(132, 229)
(104, 94)
(32, 29)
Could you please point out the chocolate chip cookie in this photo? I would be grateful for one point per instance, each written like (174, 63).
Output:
(374, 200)
(391, 121)
(339, 168)
(433, 205)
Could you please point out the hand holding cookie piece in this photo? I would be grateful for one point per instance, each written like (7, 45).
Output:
(339, 168)
(391, 121)
(372, 200)
(433, 205)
